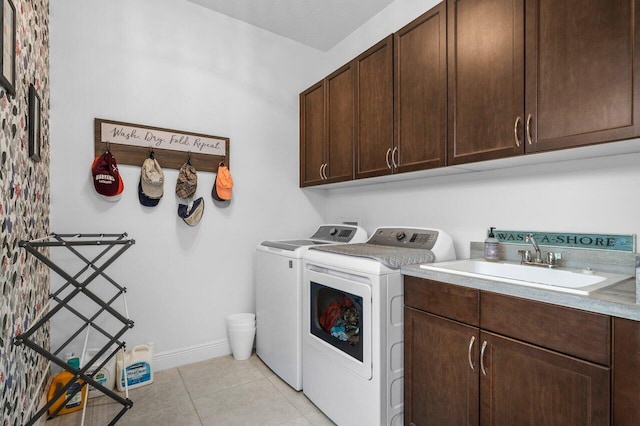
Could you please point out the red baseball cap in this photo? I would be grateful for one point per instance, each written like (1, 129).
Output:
(106, 178)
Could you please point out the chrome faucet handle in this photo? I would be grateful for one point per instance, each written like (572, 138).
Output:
(552, 258)
(526, 255)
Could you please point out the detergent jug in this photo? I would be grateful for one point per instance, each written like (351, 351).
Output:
(137, 364)
(106, 376)
(59, 381)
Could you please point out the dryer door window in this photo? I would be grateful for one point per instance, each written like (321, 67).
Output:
(336, 318)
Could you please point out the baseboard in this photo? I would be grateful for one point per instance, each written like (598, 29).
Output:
(191, 354)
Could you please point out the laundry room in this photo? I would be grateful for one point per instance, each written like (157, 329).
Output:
(191, 67)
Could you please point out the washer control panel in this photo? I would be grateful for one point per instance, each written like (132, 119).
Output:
(336, 233)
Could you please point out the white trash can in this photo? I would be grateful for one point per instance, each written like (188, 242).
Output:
(242, 330)
(241, 319)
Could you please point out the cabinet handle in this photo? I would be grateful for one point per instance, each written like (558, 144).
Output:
(320, 171)
(324, 171)
(484, 346)
(393, 158)
(471, 342)
(515, 131)
(387, 158)
(529, 138)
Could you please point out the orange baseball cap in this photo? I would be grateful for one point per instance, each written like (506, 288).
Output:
(223, 185)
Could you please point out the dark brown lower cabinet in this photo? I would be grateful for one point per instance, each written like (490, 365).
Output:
(626, 372)
(463, 374)
(522, 384)
(440, 388)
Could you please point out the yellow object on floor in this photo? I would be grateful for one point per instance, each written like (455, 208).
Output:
(75, 403)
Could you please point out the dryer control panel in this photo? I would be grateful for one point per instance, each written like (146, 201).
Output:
(405, 237)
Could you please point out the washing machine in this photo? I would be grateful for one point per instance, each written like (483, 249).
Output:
(278, 280)
(353, 304)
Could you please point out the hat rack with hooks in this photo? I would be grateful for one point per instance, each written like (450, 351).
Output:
(132, 143)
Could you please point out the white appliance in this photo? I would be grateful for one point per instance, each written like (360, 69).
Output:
(352, 338)
(278, 280)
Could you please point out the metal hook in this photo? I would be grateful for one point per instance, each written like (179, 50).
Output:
(151, 154)
(189, 158)
(108, 146)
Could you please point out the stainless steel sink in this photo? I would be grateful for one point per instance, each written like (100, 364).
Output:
(558, 279)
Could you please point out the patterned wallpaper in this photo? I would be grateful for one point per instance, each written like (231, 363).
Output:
(24, 214)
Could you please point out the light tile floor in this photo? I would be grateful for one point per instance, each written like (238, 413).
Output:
(220, 391)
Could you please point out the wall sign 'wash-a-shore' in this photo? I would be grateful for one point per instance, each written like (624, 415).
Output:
(563, 239)
(132, 143)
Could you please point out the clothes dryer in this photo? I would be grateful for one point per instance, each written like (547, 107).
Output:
(353, 301)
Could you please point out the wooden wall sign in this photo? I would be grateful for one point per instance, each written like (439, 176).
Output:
(590, 241)
(132, 143)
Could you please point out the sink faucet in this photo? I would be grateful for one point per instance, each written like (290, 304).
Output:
(529, 239)
(551, 260)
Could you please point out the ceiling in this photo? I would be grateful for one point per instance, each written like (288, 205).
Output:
(320, 24)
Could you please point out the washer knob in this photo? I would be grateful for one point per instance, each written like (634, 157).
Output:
(400, 236)
(333, 231)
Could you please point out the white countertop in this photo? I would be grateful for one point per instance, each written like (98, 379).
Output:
(618, 300)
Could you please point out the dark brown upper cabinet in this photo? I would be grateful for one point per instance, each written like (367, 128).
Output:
(539, 75)
(420, 93)
(374, 110)
(340, 98)
(476, 80)
(327, 129)
(486, 79)
(581, 87)
(312, 135)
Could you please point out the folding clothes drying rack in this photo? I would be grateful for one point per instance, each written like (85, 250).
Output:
(114, 246)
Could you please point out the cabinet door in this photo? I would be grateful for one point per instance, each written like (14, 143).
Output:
(581, 84)
(440, 386)
(527, 385)
(420, 93)
(486, 79)
(340, 124)
(626, 365)
(312, 135)
(374, 110)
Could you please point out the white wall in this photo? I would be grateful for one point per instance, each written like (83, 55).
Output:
(176, 65)
(592, 195)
